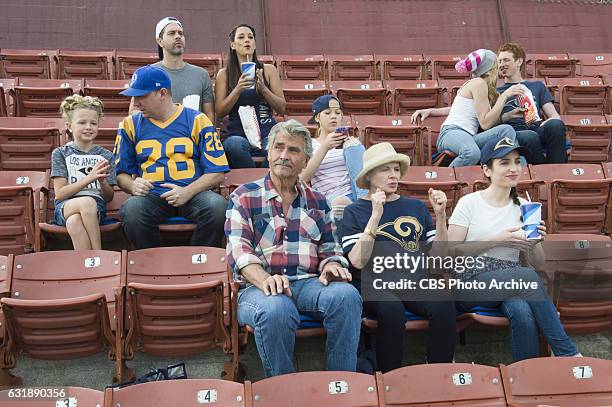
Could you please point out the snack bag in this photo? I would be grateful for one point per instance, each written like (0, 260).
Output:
(527, 102)
(248, 117)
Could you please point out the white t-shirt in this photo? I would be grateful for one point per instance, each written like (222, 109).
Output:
(331, 179)
(483, 221)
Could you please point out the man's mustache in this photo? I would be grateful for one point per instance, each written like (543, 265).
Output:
(282, 162)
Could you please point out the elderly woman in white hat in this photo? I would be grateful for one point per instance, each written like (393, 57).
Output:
(401, 225)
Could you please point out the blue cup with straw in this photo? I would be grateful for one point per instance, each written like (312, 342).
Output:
(532, 218)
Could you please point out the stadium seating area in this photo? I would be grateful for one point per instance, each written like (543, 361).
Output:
(578, 382)
(125, 302)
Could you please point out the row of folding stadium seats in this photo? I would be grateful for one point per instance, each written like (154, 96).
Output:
(554, 381)
(182, 301)
(576, 198)
(34, 97)
(120, 64)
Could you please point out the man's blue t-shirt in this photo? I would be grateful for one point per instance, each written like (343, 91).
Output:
(405, 226)
(541, 95)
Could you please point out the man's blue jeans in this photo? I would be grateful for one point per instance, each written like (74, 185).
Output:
(141, 216)
(542, 310)
(275, 319)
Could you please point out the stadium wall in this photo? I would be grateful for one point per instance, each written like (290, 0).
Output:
(313, 26)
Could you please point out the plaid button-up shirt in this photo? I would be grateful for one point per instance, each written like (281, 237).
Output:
(297, 244)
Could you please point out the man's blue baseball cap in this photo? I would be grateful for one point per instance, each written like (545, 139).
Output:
(147, 79)
(499, 147)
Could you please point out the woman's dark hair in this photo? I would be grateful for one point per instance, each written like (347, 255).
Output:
(513, 194)
(234, 70)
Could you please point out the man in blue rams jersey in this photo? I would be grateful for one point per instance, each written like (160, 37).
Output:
(168, 157)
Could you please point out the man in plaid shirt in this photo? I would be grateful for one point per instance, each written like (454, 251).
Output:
(282, 245)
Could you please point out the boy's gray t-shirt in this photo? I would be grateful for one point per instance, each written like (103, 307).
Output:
(189, 80)
(73, 164)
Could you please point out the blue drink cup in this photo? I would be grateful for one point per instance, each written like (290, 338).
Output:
(532, 216)
(248, 69)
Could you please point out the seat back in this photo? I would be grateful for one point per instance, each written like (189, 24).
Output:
(84, 64)
(361, 97)
(300, 94)
(443, 66)
(27, 143)
(128, 61)
(5, 87)
(24, 63)
(578, 267)
(593, 64)
(550, 66)
(590, 138)
(16, 223)
(340, 389)
(62, 304)
(64, 396)
(450, 88)
(6, 274)
(352, 67)
(417, 181)
(302, 67)
(211, 62)
(42, 97)
(239, 176)
(184, 393)
(409, 96)
(442, 384)
(402, 67)
(580, 96)
(576, 381)
(108, 91)
(179, 300)
(405, 137)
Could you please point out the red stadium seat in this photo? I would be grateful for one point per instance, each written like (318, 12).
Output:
(580, 96)
(24, 63)
(575, 382)
(575, 197)
(27, 143)
(28, 211)
(300, 94)
(73, 319)
(50, 236)
(450, 87)
(442, 384)
(5, 87)
(210, 62)
(302, 67)
(128, 61)
(179, 302)
(6, 274)
(397, 130)
(550, 66)
(417, 181)
(351, 67)
(361, 97)
(73, 64)
(60, 397)
(607, 79)
(184, 393)
(443, 66)
(593, 64)
(239, 176)
(577, 266)
(590, 138)
(108, 92)
(267, 59)
(608, 174)
(409, 96)
(42, 97)
(339, 389)
(402, 67)
(435, 157)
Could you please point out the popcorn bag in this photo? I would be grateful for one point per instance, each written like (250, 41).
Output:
(248, 117)
(526, 101)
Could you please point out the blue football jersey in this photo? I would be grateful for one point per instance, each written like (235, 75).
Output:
(177, 151)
